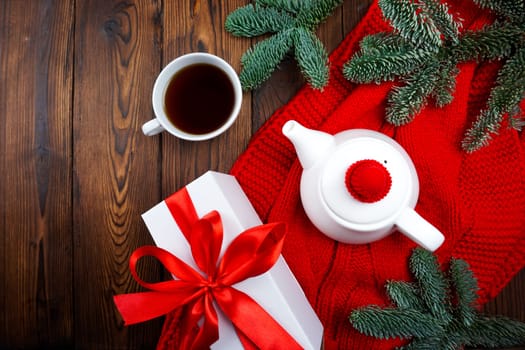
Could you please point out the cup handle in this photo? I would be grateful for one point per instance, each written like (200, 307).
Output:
(412, 225)
(152, 127)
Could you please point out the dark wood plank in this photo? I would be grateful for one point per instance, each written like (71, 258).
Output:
(35, 168)
(511, 301)
(353, 11)
(117, 56)
(198, 26)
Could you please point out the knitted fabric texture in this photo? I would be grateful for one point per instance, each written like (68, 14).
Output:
(476, 200)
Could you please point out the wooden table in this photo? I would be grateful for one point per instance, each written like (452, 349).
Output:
(76, 171)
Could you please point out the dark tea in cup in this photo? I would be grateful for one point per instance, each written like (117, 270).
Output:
(199, 98)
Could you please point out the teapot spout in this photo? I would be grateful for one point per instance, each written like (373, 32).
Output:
(311, 145)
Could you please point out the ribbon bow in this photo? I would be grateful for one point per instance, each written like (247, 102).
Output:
(251, 253)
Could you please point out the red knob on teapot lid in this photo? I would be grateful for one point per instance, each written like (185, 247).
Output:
(368, 181)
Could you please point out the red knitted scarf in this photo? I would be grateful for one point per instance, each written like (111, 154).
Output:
(477, 200)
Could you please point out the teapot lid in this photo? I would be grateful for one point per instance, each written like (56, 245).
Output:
(368, 180)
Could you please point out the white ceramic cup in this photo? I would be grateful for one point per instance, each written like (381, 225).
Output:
(162, 123)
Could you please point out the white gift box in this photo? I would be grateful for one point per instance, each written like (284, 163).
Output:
(277, 290)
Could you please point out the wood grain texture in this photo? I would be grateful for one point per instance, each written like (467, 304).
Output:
(76, 172)
(35, 167)
(116, 168)
(510, 301)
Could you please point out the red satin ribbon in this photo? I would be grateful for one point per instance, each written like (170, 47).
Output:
(250, 254)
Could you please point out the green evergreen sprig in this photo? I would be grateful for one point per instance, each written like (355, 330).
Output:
(504, 98)
(511, 10)
(423, 51)
(424, 23)
(437, 311)
(291, 25)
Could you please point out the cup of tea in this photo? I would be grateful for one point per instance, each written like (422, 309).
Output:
(196, 97)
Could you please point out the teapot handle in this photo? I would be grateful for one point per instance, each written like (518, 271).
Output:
(412, 225)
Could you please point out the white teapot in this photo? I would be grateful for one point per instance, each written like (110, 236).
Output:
(359, 185)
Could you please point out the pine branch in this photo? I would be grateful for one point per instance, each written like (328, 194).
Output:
(443, 20)
(250, 21)
(495, 41)
(394, 323)
(429, 343)
(514, 10)
(260, 61)
(432, 283)
(504, 98)
(292, 6)
(409, 18)
(311, 57)
(480, 134)
(420, 318)
(404, 102)
(404, 295)
(375, 43)
(423, 51)
(492, 332)
(428, 67)
(383, 62)
(445, 83)
(292, 23)
(517, 118)
(317, 12)
(466, 289)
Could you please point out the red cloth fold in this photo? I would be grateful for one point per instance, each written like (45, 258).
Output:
(476, 200)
